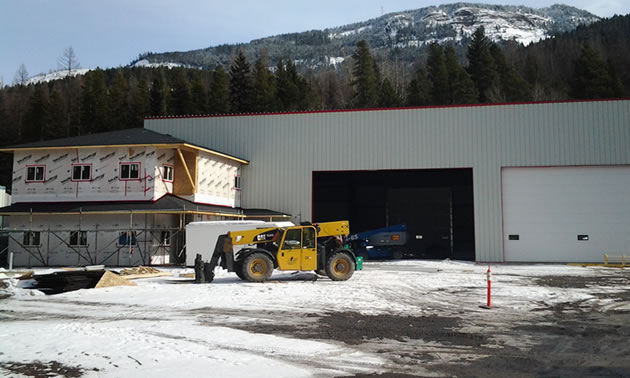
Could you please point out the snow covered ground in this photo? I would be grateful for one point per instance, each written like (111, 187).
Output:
(169, 326)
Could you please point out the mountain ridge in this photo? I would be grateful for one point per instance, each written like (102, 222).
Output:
(402, 32)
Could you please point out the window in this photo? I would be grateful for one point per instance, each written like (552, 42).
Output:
(167, 173)
(124, 237)
(81, 172)
(129, 171)
(165, 238)
(237, 182)
(35, 173)
(78, 238)
(293, 239)
(31, 238)
(309, 237)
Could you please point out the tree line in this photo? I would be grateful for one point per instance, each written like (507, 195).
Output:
(590, 62)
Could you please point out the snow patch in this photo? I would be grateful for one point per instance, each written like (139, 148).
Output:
(349, 32)
(334, 60)
(56, 75)
(146, 63)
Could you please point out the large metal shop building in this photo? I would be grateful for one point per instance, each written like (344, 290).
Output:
(535, 182)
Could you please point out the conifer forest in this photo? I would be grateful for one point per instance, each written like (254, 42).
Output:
(587, 63)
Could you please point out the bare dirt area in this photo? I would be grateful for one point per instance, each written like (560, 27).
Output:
(585, 344)
(564, 339)
(42, 369)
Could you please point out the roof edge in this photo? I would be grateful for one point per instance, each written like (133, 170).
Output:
(156, 145)
(153, 118)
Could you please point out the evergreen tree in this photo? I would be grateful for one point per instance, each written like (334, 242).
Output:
(419, 89)
(510, 86)
(287, 89)
(141, 104)
(37, 114)
(118, 103)
(618, 89)
(365, 83)
(531, 69)
(157, 97)
(19, 106)
(481, 64)
(461, 88)
(55, 125)
(240, 85)
(73, 100)
(220, 91)
(306, 96)
(464, 91)
(199, 97)
(438, 75)
(4, 120)
(332, 95)
(264, 88)
(388, 97)
(94, 109)
(180, 102)
(591, 78)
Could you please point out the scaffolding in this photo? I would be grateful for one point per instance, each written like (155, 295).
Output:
(107, 245)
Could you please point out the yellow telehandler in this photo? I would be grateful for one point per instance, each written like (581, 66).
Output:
(318, 247)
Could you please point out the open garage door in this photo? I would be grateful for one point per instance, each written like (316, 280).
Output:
(566, 214)
(436, 205)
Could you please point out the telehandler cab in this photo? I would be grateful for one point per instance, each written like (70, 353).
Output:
(319, 247)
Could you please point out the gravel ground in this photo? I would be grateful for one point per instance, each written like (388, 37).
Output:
(565, 339)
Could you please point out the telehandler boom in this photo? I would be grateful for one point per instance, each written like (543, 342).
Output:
(318, 247)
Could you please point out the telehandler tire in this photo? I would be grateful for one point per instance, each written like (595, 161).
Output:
(238, 269)
(340, 266)
(257, 267)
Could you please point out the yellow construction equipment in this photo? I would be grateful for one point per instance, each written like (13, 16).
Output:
(318, 247)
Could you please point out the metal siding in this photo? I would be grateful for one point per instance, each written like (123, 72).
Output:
(284, 149)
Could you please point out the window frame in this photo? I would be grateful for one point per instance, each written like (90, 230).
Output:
(129, 163)
(237, 183)
(29, 238)
(286, 246)
(171, 168)
(121, 234)
(34, 167)
(312, 238)
(81, 236)
(165, 238)
(81, 179)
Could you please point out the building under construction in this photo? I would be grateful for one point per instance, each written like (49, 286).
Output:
(117, 198)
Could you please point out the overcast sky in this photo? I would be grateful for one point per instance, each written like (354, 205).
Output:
(112, 33)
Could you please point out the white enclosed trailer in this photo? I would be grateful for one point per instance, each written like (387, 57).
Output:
(201, 237)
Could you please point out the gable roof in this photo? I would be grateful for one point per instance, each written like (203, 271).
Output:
(118, 138)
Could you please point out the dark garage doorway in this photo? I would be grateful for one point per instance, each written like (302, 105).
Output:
(435, 204)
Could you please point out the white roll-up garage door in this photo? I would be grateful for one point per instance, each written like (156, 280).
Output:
(566, 214)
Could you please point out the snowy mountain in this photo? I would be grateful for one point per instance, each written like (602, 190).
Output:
(400, 33)
(55, 75)
(61, 74)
